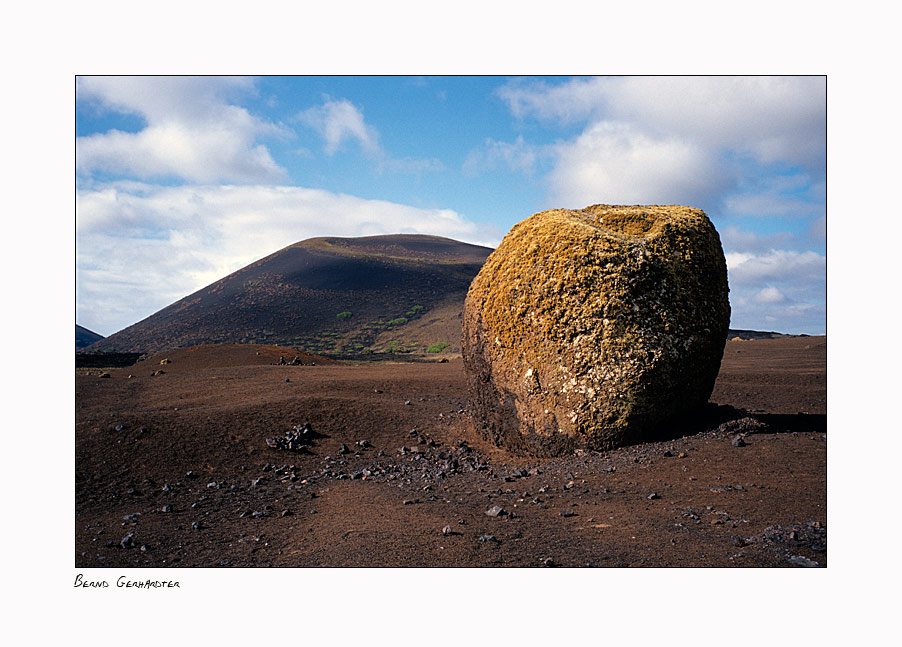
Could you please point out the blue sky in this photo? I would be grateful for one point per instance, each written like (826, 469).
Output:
(181, 180)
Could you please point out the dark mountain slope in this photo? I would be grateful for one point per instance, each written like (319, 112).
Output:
(348, 295)
(85, 337)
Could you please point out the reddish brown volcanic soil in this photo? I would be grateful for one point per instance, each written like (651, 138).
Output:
(174, 470)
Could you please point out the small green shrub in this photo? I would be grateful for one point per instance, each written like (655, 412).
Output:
(343, 315)
(396, 347)
(400, 321)
(414, 311)
(437, 347)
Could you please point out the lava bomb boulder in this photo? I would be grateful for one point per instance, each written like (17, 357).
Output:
(593, 328)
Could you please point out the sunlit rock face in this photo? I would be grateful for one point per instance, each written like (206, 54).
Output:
(594, 328)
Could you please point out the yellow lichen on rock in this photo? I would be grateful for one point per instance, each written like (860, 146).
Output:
(590, 328)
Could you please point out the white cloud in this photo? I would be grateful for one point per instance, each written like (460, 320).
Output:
(770, 294)
(140, 247)
(786, 316)
(337, 121)
(192, 131)
(676, 139)
(771, 118)
(776, 266)
(784, 288)
(518, 156)
(617, 164)
(575, 100)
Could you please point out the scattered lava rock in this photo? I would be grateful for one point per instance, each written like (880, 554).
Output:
(452, 480)
(295, 440)
(743, 426)
(792, 539)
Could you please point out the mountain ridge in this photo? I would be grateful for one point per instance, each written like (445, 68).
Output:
(348, 296)
(363, 297)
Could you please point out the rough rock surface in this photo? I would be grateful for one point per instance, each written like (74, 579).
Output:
(592, 328)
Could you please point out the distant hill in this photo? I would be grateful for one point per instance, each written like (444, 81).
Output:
(350, 296)
(85, 337)
(756, 334)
